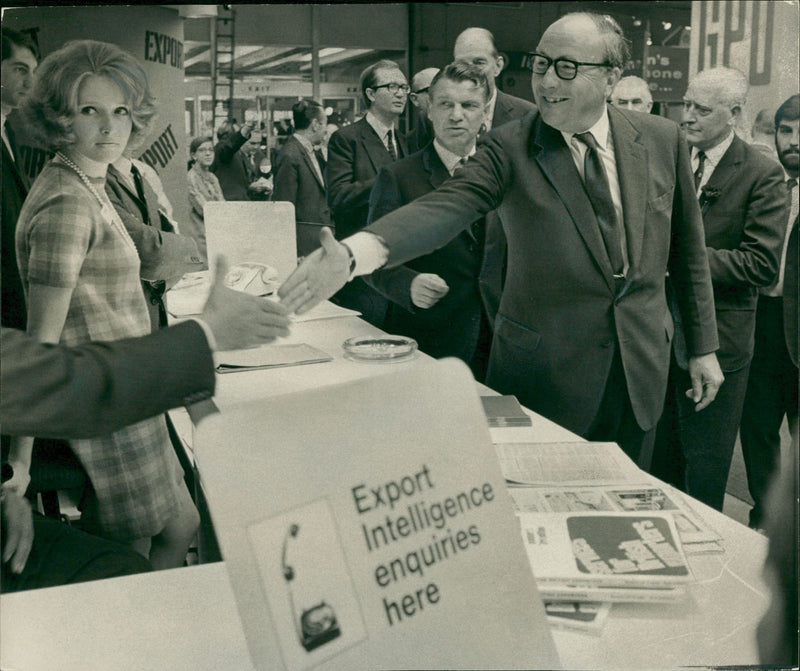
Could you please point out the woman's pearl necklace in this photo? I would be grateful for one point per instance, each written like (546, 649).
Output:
(109, 214)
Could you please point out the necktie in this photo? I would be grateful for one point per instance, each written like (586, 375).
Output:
(698, 174)
(596, 182)
(390, 145)
(790, 184)
(320, 160)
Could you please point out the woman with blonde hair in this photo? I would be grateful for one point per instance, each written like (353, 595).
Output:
(80, 270)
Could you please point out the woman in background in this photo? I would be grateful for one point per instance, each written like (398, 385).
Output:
(203, 187)
(80, 270)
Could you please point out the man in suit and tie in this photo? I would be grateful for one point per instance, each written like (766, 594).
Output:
(772, 386)
(231, 165)
(19, 61)
(597, 205)
(299, 174)
(435, 298)
(743, 202)
(420, 98)
(355, 154)
(477, 46)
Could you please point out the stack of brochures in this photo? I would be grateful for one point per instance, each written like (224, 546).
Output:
(502, 411)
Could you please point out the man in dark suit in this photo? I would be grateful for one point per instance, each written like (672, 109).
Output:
(299, 174)
(743, 201)
(422, 134)
(165, 255)
(477, 46)
(355, 154)
(435, 298)
(772, 387)
(583, 332)
(231, 166)
(19, 61)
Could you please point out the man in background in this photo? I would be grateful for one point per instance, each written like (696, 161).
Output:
(420, 98)
(231, 165)
(632, 93)
(435, 298)
(355, 154)
(743, 201)
(19, 61)
(299, 174)
(772, 386)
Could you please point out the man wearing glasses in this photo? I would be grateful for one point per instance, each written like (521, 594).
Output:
(355, 154)
(597, 205)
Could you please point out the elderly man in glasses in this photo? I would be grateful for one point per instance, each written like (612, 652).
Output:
(355, 154)
(597, 204)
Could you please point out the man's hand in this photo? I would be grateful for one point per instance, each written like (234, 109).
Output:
(427, 289)
(706, 378)
(18, 483)
(320, 275)
(17, 530)
(239, 320)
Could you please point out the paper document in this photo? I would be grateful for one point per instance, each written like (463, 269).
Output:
(270, 356)
(560, 464)
(325, 310)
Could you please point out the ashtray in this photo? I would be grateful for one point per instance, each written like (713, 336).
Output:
(380, 349)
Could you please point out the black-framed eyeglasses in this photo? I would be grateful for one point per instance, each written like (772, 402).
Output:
(393, 87)
(565, 68)
(418, 91)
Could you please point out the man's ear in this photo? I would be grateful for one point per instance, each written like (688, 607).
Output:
(736, 112)
(370, 95)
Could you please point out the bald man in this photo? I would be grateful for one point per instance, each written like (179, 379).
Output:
(632, 93)
(422, 134)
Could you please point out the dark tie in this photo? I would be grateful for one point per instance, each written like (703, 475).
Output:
(698, 174)
(390, 144)
(790, 184)
(320, 160)
(596, 182)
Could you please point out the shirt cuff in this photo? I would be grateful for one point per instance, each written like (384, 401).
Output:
(212, 342)
(369, 251)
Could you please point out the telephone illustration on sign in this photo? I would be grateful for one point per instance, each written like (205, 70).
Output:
(256, 279)
(317, 624)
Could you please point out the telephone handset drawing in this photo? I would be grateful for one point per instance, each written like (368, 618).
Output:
(316, 625)
(256, 279)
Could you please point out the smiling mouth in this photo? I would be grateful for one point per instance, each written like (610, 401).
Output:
(552, 101)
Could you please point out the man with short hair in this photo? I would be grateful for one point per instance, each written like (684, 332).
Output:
(435, 298)
(597, 204)
(355, 154)
(299, 176)
(19, 61)
(632, 93)
(773, 383)
(743, 201)
(231, 165)
(420, 98)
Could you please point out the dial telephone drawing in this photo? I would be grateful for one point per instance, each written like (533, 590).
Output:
(256, 279)
(317, 624)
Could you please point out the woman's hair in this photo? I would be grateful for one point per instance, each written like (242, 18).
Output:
(53, 101)
(197, 143)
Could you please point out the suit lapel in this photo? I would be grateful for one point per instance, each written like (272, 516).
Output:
(434, 167)
(631, 159)
(555, 160)
(723, 173)
(309, 161)
(373, 146)
(11, 165)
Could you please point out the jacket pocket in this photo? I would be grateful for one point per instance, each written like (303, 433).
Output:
(662, 202)
(516, 334)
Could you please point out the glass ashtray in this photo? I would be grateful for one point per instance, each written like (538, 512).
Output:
(380, 349)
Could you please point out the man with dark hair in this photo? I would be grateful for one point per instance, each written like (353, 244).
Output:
(17, 68)
(355, 154)
(435, 298)
(772, 386)
(230, 165)
(299, 175)
(743, 201)
(597, 205)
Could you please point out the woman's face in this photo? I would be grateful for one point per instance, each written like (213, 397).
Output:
(204, 154)
(102, 125)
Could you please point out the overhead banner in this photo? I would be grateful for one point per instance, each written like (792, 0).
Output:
(367, 525)
(154, 35)
(758, 38)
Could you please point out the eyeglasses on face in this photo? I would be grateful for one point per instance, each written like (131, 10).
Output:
(393, 87)
(565, 68)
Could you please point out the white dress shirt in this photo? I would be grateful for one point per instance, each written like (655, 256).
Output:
(713, 157)
(306, 144)
(382, 130)
(450, 160)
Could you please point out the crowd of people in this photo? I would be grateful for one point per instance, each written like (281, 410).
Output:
(630, 278)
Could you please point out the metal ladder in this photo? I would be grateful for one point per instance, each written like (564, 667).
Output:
(222, 73)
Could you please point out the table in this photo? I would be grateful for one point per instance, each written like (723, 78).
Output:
(187, 619)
